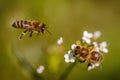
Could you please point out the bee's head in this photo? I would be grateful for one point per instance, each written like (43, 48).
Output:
(43, 28)
(76, 50)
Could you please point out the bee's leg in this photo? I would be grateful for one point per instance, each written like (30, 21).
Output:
(82, 61)
(89, 64)
(31, 34)
(23, 33)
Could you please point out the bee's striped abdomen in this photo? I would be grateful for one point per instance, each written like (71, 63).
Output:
(14, 25)
(21, 24)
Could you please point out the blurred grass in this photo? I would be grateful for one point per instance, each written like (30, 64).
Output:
(66, 18)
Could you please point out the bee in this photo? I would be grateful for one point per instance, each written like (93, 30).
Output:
(87, 55)
(30, 26)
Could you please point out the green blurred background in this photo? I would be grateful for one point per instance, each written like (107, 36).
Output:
(66, 18)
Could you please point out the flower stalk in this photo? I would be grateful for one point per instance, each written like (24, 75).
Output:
(67, 71)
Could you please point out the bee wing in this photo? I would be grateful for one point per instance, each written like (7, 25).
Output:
(27, 26)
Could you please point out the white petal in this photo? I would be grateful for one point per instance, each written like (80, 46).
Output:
(84, 38)
(87, 40)
(66, 56)
(40, 69)
(60, 41)
(103, 44)
(69, 52)
(72, 60)
(67, 60)
(73, 46)
(90, 35)
(97, 64)
(85, 33)
(89, 68)
(97, 34)
(105, 50)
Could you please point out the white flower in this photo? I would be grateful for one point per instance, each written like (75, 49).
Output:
(96, 34)
(60, 41)
(87, 40)
(69, 57)
(73, 46)
(40, 69)
(86, 37)
(103, 46)
(93, 66)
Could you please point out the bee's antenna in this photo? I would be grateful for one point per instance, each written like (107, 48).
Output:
(48, 31)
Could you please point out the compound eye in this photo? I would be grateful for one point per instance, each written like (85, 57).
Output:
(43, 29)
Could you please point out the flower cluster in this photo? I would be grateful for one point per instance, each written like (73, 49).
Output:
(69, 57)
(87, 50)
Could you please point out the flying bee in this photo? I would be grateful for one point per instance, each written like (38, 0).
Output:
(87, 55)
(30, 26)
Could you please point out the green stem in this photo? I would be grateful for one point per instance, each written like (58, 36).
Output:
(26, 65)
(66, 72)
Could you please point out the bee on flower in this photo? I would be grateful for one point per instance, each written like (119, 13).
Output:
(87, 50)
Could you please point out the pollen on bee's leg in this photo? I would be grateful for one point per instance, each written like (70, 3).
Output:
(82, 61)
(23, 34)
